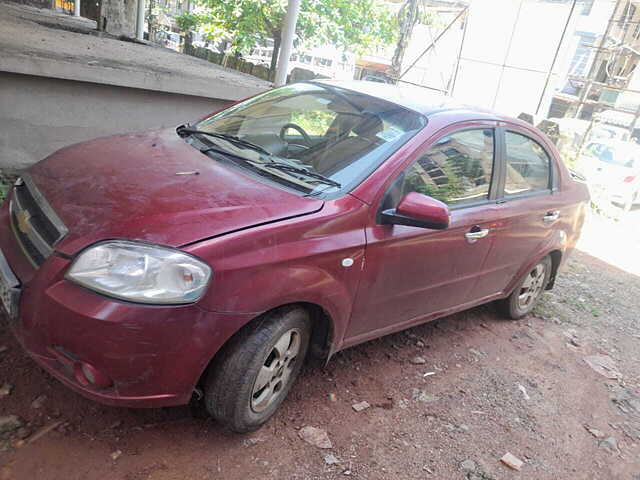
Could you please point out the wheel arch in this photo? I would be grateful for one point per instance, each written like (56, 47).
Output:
(322, 334)
(556, 260)
(555, 254)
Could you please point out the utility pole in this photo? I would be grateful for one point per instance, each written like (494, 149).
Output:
(76, 8)
(140, 21)
(288, 32)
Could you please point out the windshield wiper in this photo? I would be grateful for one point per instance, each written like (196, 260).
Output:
(285, 167)
(184, 131)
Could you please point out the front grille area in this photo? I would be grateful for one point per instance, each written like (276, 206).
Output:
(35, 224)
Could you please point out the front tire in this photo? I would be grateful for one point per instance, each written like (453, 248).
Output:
(528, 291)
(255, 372)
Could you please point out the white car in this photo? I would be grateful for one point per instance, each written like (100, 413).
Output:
(612, 168)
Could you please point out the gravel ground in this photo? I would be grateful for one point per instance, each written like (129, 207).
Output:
(493, 387)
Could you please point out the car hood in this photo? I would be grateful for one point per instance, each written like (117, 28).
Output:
(129, 186)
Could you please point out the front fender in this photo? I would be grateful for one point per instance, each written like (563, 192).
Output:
(329, 289)
(316, 258)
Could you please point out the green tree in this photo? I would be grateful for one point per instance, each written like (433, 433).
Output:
(353, 24)
(187, 22)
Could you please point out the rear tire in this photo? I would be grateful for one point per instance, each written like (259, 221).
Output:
(528, 291)
(255, 372)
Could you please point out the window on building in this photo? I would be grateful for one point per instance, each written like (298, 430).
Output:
(587, 5)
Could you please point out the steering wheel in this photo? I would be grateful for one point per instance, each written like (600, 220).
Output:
(298, 128)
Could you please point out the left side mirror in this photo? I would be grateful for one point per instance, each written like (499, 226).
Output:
(417, 210)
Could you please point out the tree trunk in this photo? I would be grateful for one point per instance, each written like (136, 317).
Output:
(151, 21)
(407, 18)
(188, 42)
(274, 56)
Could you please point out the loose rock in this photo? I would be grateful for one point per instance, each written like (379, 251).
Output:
(116, 455)
(360, 406)
(422, 396)
(626, 400)
(604, 365)
(594, 431)
(418, 360)
(524, 392)
(331, 459)
(44, 430)
(611, 444)
(38, 402)
(315, 436)
(512, 461)
(6, 390)
(468, 466)
(10, 423)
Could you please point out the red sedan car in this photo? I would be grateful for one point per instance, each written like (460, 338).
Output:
(215, 257)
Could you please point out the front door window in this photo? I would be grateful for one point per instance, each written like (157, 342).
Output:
(456, 170)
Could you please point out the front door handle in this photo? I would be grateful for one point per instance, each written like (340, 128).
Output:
(551, 216)
(476, 234)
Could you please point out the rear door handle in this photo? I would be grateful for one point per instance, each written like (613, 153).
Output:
(551, 216)
(474, 236)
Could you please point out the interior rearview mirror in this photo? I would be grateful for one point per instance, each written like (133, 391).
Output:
(417, 210)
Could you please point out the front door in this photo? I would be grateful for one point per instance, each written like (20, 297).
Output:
(411, 273)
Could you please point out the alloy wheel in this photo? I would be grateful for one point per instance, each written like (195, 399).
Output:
(532, 287)
(275, 373)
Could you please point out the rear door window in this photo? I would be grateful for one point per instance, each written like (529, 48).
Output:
(527, 165)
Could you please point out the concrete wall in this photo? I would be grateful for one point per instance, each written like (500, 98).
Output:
(39, 115)
(35, 3)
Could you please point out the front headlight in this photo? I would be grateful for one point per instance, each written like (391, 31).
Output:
(141, 273)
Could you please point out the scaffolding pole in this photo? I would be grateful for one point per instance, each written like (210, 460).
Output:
(432, 44)
(593, 68)
(555, 56)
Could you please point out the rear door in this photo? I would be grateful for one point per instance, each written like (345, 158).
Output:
(529, 207)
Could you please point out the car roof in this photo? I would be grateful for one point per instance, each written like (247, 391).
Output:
(419, 99)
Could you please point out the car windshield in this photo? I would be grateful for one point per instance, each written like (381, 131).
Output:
(622, 155)
(337, 135)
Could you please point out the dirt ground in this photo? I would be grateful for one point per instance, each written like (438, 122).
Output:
(497, 386)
